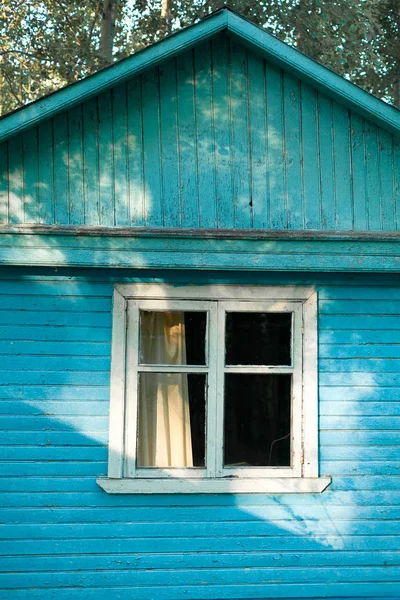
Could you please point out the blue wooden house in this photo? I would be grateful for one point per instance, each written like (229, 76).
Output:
(200, 330)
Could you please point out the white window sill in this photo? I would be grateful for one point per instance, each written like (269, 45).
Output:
(276, 485)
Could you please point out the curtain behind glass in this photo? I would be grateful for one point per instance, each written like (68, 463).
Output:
(164, 438)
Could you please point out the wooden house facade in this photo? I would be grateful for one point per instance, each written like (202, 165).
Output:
(200, 330)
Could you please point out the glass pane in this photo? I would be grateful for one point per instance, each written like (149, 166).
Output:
(173, 338)
(257, 420)
(258, 338)
(171, 420)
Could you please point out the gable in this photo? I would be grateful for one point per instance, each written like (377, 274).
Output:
(215, 138)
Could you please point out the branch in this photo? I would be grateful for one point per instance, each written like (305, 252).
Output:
(60, 4)
(7, 78)
(5, 52)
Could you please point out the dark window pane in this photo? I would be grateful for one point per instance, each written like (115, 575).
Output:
(257, 420)
(258, 338)
(172, 338)
(171, 420)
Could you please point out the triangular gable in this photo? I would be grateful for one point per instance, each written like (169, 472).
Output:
(214, 138)
(254, 38)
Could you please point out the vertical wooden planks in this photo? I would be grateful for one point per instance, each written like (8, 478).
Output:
(60, 128)
(358, 162)
(75, 166)
(135, 151)
(205, 138)
(310, 158)
(31, 176)
(4, 183)
(169, 145)
(243, 209)
(222, 132)
(46, 172)
(16, 180)
(152, 149)
(224, 140)
(91, 162)
(291, 100)
(120, 140)
(343, 174)
(258, 141)
(106, 161)
(372, 161)
(187, 140)
(276, 148)
(327, 169)
(386, 180)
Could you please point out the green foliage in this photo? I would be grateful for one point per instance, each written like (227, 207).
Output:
(48, 44)
(45, 45)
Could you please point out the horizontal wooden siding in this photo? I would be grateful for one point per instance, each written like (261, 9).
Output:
(62, 536)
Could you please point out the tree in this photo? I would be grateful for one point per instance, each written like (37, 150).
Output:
(45, 45)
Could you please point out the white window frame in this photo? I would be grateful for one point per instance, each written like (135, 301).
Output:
(301, 476)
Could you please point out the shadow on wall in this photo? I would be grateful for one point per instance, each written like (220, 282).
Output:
(61, 531)
(63, 536)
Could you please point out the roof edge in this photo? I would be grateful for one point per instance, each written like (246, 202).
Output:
(320, 77)
(250, 35)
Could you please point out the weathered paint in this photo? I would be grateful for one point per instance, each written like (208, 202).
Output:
(216, 137)
(196, 250)
(63, 537)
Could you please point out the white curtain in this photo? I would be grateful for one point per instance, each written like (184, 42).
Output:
(164, 418)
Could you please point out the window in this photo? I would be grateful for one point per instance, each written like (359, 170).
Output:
(213, 390)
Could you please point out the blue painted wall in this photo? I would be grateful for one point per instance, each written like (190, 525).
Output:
(216, 138)
(62, 537)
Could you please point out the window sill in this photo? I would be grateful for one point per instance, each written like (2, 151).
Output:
(276, 485)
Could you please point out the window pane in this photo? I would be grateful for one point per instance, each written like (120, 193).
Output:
(172, 338)
(257, 420)
(171, 420)
(258, 338)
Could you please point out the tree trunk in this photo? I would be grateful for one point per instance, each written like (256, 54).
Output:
(108, 29)
(166, 15)
(396, 91)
